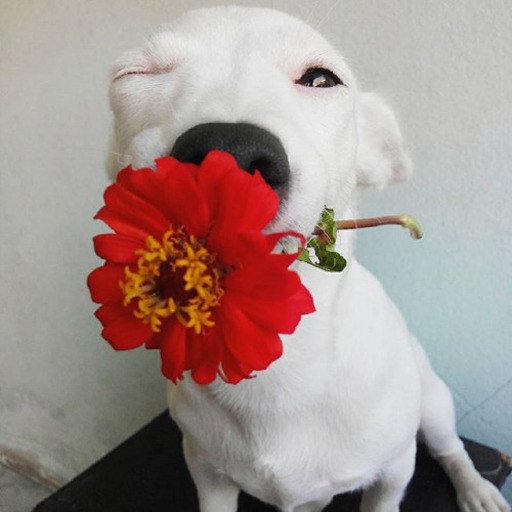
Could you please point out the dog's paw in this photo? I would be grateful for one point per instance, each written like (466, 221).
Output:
(481, 496)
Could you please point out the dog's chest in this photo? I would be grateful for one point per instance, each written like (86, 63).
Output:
(280, 459)
(290, 470)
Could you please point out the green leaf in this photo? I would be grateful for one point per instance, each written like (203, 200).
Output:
(323, 245)
(304, 256)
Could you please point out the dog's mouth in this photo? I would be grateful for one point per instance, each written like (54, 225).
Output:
(254, 148)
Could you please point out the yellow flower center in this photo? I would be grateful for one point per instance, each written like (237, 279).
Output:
(177, 276)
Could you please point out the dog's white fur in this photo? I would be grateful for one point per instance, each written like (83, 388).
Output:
(342, 407)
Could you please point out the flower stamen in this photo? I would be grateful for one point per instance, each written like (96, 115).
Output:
(177, 276)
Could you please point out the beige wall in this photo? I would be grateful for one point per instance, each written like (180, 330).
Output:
(65, 397)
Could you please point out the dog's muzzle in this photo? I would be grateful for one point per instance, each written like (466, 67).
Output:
(254, 148)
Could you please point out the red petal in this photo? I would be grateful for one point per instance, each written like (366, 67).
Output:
(212, 171)
(155, 342)
(219, 163)
(244, 205)
(103, 283)
(145, 183)
(205, 354)
(123, 330)
(238, 200)
(117, 248)
(278, 316)
(168, 164)
(142, 182)
(263, 281)
(248, 247)
(173, 350)
(238, 248)
(185, 202)
(283, 260)
(248, 343)
(107, 313)
(115, 221)
(232, 371)
(303, 301)
(124, 210)
(267, 201)
(172, 183)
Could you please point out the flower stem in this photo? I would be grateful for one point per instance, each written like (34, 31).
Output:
(405, 220)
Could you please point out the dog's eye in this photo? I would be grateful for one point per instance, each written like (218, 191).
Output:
(319, 77)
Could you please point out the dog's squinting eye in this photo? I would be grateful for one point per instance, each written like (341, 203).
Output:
(319, 77)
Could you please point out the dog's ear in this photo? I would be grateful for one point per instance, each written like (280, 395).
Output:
(381, 159)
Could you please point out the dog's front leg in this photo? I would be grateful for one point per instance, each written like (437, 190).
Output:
(215, 492)
(387, 492)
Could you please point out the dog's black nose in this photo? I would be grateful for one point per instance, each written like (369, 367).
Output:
(253, 148)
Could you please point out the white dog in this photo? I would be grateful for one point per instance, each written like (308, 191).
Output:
(341, 409)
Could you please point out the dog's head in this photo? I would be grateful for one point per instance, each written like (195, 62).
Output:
(266, 88)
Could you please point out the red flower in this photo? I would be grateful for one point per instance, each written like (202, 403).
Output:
(189, 271)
